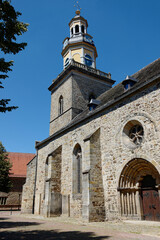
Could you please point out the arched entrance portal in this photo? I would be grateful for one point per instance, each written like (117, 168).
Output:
(139, 187)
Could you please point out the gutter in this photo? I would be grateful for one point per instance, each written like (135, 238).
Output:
(35, 182)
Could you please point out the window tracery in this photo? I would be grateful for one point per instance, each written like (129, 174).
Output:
(136, 134)
(133, 134)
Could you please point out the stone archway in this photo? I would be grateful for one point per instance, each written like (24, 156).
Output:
(133, 189)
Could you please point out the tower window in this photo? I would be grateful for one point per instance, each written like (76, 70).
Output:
(82, 29)
(72, 31)
(66, 62)
(88, 60)
(77, 28)
(60, 105)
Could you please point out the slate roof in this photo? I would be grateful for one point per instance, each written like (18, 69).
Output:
(112, 95)
(19, 163)
(117, 91)
(143, 75)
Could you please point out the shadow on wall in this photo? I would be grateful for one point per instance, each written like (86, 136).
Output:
(50, 235)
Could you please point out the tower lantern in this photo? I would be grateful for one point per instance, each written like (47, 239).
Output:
(80, 46)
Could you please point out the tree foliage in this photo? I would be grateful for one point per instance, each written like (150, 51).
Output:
(5, 167)
(10, 28)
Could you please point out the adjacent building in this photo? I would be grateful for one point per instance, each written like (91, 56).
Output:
(18, 177)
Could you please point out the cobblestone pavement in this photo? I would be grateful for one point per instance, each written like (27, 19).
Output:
(28, 227)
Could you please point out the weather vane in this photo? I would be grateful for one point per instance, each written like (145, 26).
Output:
(76, 5)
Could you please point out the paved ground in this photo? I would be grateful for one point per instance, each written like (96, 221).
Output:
(23, 227)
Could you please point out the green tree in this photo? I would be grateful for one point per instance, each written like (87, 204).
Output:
(5, 167)
(10, 28)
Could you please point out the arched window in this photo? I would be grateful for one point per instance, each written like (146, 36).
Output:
(82, 28)
(60, 105)
(77, 170)
(77, 29)
(72, 31)
(46, 168)
(88, 60)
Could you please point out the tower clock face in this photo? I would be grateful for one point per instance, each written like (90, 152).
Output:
(88, 60)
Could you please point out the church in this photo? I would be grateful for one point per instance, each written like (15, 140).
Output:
(101, 161)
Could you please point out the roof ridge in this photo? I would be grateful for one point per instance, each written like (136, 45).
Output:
(22, 153)
(149, 65)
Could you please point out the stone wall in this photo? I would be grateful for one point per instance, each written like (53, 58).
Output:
(15, 194)
(142, 107)
(97, 208)
(83, 88)
(55, 182)
(28, 188)
(58, 121)
(109, 150)
(76, 90)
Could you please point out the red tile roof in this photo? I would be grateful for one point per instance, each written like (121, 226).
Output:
(19, 163)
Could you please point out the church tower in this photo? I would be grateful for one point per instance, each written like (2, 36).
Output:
(79, 82)
(80, 45)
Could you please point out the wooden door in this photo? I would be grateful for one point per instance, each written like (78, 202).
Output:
(156, 205)
(151, 205)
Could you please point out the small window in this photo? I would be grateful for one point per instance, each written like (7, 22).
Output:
(77, 28)
(60, 105)
(72, 31)
(66, 62)
(88, 60)
(82, 29)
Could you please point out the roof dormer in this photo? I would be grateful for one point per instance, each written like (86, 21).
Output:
(129, 82)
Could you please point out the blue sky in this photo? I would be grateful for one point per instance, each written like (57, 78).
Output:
(126, 34)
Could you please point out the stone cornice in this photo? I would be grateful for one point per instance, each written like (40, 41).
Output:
(82, 69)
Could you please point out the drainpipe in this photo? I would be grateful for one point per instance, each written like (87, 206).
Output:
(34, 192)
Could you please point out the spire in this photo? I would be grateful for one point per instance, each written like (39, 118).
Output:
(79, 46)
(78, 11)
